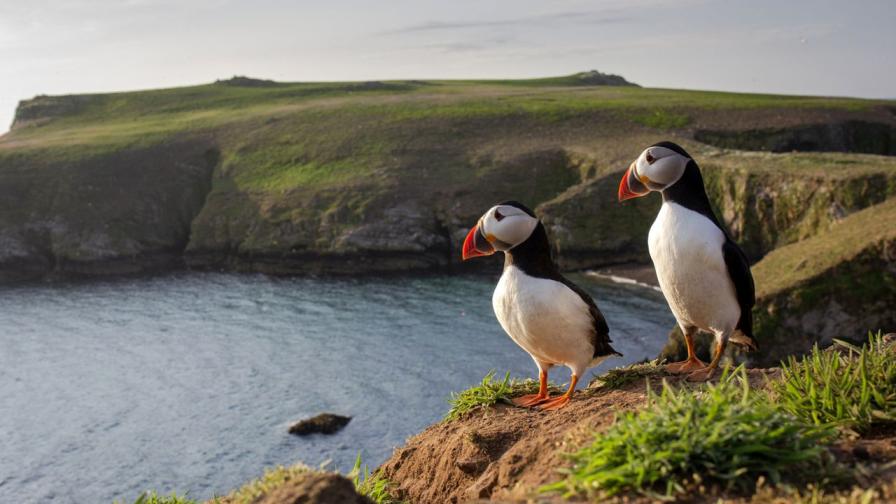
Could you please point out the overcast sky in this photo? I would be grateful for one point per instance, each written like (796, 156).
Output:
(780, 46)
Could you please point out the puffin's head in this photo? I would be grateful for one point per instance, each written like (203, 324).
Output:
(503, 227)
(658, 167)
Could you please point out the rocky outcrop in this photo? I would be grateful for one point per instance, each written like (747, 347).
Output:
(324, 423)
(41, 109)
(595, 78)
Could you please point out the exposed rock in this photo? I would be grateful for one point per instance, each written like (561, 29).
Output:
(324, 423)
(315, 488)
(595, 78)
(243, 81)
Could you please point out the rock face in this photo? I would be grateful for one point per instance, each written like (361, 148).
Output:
(315, 488)
(325, 423)
(121, 212)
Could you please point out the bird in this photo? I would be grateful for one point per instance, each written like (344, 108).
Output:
(548, 316)
(703, 274)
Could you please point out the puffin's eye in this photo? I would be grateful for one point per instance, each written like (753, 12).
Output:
(498, 215)
(650, 159)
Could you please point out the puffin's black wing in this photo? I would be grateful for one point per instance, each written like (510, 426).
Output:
(601, 337)
(739, 270)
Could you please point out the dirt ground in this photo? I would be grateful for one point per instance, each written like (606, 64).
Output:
(504, 453)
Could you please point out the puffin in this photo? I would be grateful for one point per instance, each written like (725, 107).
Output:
(703, 274)
(548, 316)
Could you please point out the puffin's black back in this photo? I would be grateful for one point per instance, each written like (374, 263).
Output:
(690, 192)
(533, 257)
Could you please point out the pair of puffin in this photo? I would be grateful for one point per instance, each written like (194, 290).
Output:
(703, 274)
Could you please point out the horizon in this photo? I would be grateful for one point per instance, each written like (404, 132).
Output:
(53, 48)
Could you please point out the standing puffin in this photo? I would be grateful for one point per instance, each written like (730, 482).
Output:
(552, 319)
(703, 274)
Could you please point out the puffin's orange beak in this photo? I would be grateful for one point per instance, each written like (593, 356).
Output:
(476, 245)
(630, 187)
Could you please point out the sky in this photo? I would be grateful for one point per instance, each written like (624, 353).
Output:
(843, 48)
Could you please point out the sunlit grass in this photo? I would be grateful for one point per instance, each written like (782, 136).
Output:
(372, 485)
(620, 377)
(725, 435)
(853, 389)
(271, 480)
(488, 393)
(154, 498)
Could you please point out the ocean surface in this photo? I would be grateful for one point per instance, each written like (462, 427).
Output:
(188, 382)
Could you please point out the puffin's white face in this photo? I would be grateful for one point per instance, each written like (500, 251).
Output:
(655, 169)
(500, 229)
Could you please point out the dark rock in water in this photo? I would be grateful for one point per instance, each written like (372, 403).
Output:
(325, 423)
(316, 488)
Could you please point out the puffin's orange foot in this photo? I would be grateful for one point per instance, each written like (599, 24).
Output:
(702, 375)
(685, 366)
(527, 401)
(555, 403)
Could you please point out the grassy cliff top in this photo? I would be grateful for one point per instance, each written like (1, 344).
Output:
(120, 119)
(793, 264)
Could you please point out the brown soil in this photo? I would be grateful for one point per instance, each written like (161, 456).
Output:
(504, 453)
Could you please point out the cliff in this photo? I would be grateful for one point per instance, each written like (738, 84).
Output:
(385, 176)
(379, 177)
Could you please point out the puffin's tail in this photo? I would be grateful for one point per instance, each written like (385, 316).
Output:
(743, 334)
(606, 351)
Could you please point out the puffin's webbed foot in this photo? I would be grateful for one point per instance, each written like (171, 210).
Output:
(555, 403)
(559, 402)
(685, 366)
(529, 400)
(702, 375)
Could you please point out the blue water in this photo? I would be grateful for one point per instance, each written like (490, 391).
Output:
(188, 382)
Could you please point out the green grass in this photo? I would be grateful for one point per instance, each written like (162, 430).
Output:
(488, 393)
(663, 119)
(618, 378)
(267, 483)
(372, 485)
(725, 435)
(154, 498)
(853, 390)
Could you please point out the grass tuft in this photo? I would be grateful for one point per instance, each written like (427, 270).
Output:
(270, 481)
(154, 498)
(853, 389)
(490, 392)
(371, 485)
(725, 435)
(620, 377)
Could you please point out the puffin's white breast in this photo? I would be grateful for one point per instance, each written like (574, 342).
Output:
(546, 318)
(686, 248)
